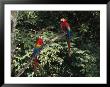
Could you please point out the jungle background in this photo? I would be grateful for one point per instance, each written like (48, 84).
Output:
(26, 26)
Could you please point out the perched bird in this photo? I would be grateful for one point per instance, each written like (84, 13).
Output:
(38, 46)
(66, 29)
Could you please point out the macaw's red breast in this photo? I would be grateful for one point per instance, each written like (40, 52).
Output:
(39, 41)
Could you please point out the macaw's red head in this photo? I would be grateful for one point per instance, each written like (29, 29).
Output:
(39, 41)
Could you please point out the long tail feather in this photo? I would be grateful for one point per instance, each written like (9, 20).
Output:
(69, 46)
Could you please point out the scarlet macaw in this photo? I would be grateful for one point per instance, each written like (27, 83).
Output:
(38, 46)
(66, 29)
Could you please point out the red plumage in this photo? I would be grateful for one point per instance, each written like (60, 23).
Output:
(64, 24)
(39, 41)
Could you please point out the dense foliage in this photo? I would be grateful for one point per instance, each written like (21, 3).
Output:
(54, 60)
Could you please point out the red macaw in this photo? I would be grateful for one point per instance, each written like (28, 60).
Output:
(66, 28)
(38, 46)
